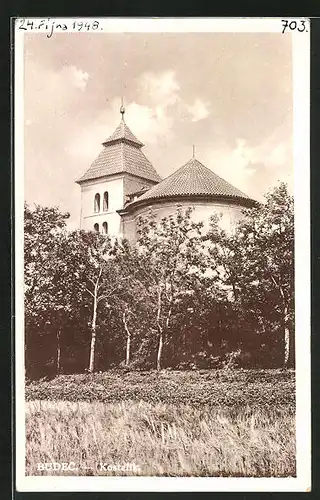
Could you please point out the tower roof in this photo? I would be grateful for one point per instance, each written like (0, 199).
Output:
(193, 179)
(121, 157)
(123, 133)
(121, 154)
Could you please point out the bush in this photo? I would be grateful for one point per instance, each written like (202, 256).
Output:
(225, 388)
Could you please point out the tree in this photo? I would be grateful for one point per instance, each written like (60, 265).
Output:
(67, 274)
(178, 297)
(86, 254)
(131, 305)
(43, 227)
(46, 303)
(257, 262)
(91, 258)
(169, 263)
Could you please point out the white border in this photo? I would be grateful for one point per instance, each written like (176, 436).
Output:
(301, 96)
(301, 145)
(168, 25)
(19, 252)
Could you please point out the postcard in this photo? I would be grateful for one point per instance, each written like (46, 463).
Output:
(162, 254)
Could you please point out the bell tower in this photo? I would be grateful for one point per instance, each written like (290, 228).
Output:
(120, 170)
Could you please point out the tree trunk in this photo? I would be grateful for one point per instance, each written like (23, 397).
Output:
(292, 351)
(128, 350)
(160, 346)
(58, 353)
(94, 322)
(287, 346)
(128, 339)
(286, 331)
(234, 290)
(93, 334)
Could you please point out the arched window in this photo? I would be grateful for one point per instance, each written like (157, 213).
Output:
(105, 228)
(96, 227)
(97, 203)
(105, 201)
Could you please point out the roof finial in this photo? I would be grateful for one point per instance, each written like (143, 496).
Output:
(122, 109)
(193, 151)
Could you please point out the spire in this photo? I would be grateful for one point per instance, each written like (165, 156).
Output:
(121, 154)
(122, 109)
(193, 151)
(123, 133)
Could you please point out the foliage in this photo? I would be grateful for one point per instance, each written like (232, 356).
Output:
(47, 294)
(43, 229)
(180, 298)
(226, 388)
(256, 262)
(170, 261)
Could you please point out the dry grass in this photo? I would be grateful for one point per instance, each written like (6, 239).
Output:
(161, 438)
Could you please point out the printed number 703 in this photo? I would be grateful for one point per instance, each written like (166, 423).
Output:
(294, 25)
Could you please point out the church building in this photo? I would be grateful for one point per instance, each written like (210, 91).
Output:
(122, 184)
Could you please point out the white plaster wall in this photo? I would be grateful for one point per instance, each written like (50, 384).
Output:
(230, 213)
(114, 186)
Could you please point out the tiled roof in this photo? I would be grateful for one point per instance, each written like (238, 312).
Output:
(121, 153)
(135, 191)
(123, 132)
(192, 179)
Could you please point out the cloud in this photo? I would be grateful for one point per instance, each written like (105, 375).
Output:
(198, 110)
(162, 89)
(233, 165)
(54, 92)
(74, 77)
(153, 117)
(152, 122)
(275, 151)
(150, 125)
(52, 117)
(253, 168)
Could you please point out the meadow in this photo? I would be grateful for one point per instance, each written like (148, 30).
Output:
(171, 423)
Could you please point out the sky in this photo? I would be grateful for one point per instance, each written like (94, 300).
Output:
(229, 94)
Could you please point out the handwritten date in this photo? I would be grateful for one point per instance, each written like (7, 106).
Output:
(50, 26)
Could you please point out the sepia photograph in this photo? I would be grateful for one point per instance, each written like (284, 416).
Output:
(162, 309)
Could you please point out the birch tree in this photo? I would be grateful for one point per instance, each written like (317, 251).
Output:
(170, 261)
(91, 260)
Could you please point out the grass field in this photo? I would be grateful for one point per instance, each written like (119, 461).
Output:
(208, 423)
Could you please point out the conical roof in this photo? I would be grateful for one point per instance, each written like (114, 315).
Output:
(121, 154)
(193, 179)
(123, 133)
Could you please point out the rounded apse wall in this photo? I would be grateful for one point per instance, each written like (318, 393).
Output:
(230, 212)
